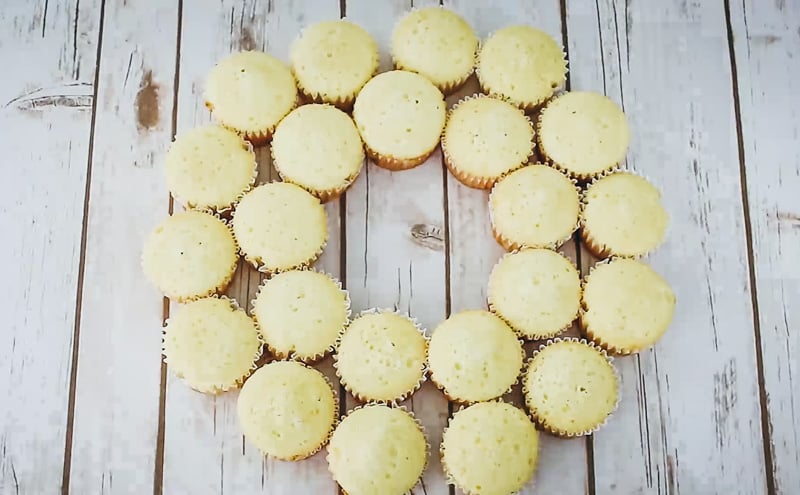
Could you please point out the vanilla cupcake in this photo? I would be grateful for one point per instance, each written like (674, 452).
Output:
(490, 448)
(626, 305)
(436, 43)
(300, 314)
(287, 410)
(191, 254)
(521, 64)
(210, 168)
(279, 227)
(623, 216)
(583, 134)
(485, 138)
(571, 387)
(535, 206)
(332, 61)
(474, 356)
(250, 92)
(536, 291)
(381, 356)
(400, 116)
(211, 344)
(377, 449)
(318, 148)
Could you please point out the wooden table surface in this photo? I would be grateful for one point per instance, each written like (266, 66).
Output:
(91, 93)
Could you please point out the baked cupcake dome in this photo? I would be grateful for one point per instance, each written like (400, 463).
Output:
(522, 64)
(191, 254)
(300, 314)
(381, 356)
(571, 387)
(211, 344)
(474, 356)
(400, 116)
(250, 92)
(279, 226)
(287, 410)
(534, 206)
(583, 133)
(623, 216)
(436, 43)
(485, 138)
(490, 448)
(210, 167)
(536, 291)
(626, 305)
(377, 449)
(318, 148)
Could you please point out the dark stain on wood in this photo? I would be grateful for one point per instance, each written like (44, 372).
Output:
(725, 399)
(429, 236)
(246, 39)
(146, 103)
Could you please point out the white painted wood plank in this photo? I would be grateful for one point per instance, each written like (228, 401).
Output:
(767, 40)
(204, 449)
(689, 420)
(49, 54)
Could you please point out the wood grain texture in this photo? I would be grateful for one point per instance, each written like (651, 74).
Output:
(49, 53)
(765, 41)
(689, 420)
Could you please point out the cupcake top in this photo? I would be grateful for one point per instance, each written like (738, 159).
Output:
(300, 314)
(318, 148)
(570, 387)
(400, 114)
(377, 449)
(211, 344)
(583, 133)
(436, 43)
(189, 255)
(250, 92)
(535, 206)
(490, 448)
(287, 410)
(485, 138)
(332, 61)
(627, 306)
(210, 167)
(474, 356)
(623, 215)
(522, 64)
(536, 291)
(280, 226)
(381, 356)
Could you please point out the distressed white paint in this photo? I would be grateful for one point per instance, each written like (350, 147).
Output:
(46, 52)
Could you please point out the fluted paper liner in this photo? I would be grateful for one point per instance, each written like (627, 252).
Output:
(259, 137)
(397, 164)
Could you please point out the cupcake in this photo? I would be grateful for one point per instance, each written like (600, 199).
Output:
(381, 356)
(583, 134)
(377, 449)
(211, 344)
(626, 305)
(474, 356)
(521, 64)
(571, 387)
(250, 92)
(400, 116)
(287, 410)
(535, 206)
(622, 216)
(191, 254)
(279, 227)
(318, 148)
(210, 168)
(484, 139)
(536, 291)
(490, 448)
(300, 314)
(436, 43)
(332, 61)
